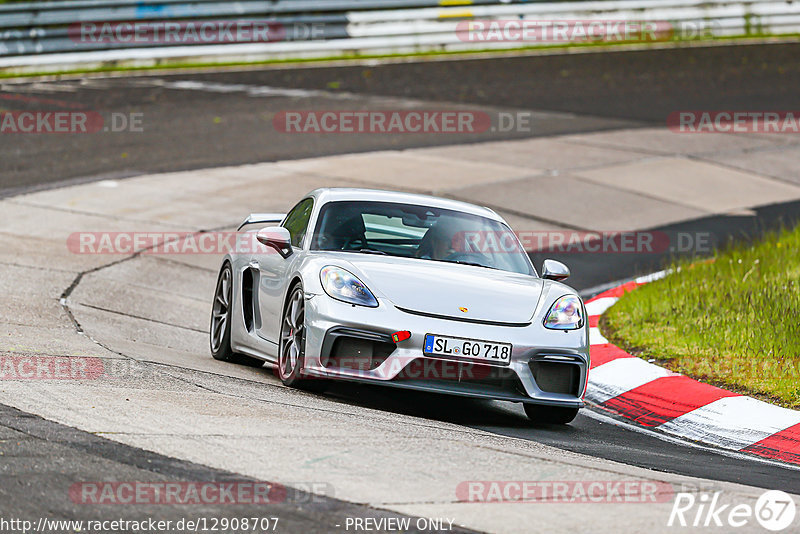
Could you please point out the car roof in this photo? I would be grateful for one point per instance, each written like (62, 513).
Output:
(334, 194)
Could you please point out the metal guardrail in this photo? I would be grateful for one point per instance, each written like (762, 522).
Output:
(38, 15)
(36, 29)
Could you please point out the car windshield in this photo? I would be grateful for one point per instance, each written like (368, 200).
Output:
(422, 232)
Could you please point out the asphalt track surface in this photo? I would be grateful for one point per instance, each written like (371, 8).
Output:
(196, 129)
(186, 129)
(42, 460)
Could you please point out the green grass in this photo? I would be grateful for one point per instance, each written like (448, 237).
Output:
(169, 65)
(599, 46)
(733, 321)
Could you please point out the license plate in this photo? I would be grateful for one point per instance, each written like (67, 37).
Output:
(473, 349)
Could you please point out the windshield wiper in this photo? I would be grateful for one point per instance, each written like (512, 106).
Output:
(367, 250)
(462, 262)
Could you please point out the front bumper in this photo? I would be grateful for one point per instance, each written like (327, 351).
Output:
(547, 366)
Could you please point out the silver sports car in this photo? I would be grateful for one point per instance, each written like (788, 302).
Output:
(405, 290)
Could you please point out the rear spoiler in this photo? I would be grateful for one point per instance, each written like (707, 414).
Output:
(261, 218)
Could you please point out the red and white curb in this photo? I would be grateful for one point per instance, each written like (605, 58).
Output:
(657, 398)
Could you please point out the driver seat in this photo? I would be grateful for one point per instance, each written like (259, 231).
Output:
(341, 232)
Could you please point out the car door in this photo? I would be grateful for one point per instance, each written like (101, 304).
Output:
(273, 270)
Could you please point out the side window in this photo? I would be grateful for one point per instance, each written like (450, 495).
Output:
(297, 220)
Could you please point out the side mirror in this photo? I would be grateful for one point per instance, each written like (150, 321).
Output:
(276, 237)
(554, 270)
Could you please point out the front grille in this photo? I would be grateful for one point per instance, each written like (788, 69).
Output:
(556, 377)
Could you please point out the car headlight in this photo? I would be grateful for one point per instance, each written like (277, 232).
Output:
(344, 285)
(565, 314)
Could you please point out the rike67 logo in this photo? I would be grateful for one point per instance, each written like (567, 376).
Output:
(774, 510)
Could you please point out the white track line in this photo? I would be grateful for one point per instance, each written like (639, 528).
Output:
(599, 306)
(592, 414)
(595, 337)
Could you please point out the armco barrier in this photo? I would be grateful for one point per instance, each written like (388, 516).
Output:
(46, 35)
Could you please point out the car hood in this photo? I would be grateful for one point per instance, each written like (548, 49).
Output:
(451, 290)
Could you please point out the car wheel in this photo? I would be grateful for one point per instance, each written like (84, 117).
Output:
(555, 415)
(220, 330)
(292, 349)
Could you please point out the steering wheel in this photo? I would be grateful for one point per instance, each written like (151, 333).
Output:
(348, 245)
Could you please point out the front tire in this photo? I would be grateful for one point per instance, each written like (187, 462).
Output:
(220, 330)
(292, 348)
(553, 415)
